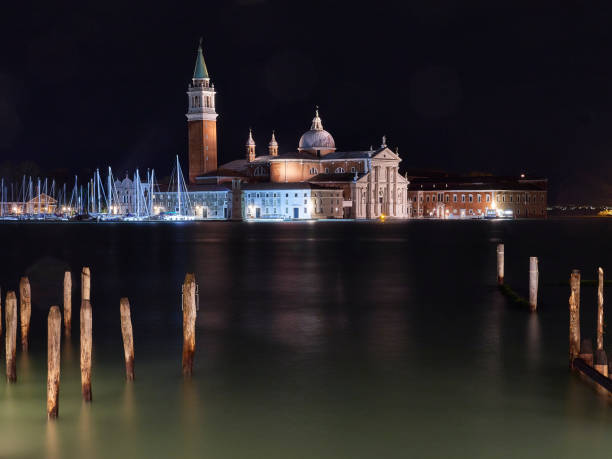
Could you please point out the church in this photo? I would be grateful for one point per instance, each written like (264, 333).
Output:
(313, 182)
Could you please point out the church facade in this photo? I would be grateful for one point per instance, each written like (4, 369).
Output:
(363, 184)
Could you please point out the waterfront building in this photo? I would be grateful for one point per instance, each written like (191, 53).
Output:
(478, 197)
(42, 204)
(206, 202)
(131, 197)
(291, 201)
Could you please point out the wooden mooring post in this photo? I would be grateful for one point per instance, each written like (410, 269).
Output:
(600, 311)
(533, 283)
(67, 302)
(11, 336)
(54, 330)
(86, 350)
(128, 338)
(189, 318)
(500, 264)
(86, 284)
(25, 310)
(574, 313)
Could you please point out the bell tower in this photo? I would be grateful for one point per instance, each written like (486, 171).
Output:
(201, 121)
(250, 148)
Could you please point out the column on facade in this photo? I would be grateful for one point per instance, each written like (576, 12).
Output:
(394, 172)
(376, 191)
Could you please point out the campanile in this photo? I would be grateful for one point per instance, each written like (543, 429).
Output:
(201, 121)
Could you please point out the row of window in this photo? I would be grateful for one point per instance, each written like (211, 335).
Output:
(338, 170)
(470, 198)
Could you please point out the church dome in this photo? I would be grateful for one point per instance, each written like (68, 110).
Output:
(317, 138)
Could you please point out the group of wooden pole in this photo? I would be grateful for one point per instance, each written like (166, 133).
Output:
(54, 334)
(54, 321)
(584, 349)
(533, 276)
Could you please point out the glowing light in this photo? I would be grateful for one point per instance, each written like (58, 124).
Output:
(382, 217)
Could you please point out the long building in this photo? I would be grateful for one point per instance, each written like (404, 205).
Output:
(478, 197)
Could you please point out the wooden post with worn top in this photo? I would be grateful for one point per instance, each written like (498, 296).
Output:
(189, 317)
(25, 310)
(86, 284)
(500, 264)
(600, 310)
(67, 302)
(533, 283)
(128, 338)
(11, 336)
(574, 313)
(86, 350)
(54, 330)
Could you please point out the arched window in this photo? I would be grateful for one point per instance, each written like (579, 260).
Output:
(259, 171)
(339, 170)
(313, 171)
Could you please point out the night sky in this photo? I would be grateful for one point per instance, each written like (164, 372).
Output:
(494, 86)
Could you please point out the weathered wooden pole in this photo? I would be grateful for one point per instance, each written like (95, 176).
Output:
(586, 351)
(11, 336)
(86, 350)
(86, 284)
(601, 362)
(574, 312)
(189, 317)
(533, 283)
(25, 310)
(54, 330)
(500, 264)
(600, 311)
(67, 302)
(128, 338)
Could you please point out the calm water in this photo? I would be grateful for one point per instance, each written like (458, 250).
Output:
(318, 340)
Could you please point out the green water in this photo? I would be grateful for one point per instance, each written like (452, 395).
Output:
(313, 341)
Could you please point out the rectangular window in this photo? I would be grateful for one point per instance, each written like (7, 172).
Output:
(447, 197)
(462, 198)
(427, 198)
(454, 198)
(488, 197)
(479, 198)
(470, 198)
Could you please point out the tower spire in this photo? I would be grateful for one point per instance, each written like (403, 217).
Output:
(273, 146)
(250, 147)
(317, 124)
(200, 71)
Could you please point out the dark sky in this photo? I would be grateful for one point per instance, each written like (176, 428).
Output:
(503, 87)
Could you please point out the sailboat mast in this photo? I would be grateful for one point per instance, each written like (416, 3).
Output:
(178, 183)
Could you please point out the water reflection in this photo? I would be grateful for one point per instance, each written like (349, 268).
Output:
(52, 446)
(533, 340)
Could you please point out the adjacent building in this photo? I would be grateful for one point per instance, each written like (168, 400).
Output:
(478, 197)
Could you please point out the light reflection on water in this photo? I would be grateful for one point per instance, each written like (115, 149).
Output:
(326, 340)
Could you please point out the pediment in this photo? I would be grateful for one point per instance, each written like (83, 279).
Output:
(387, 154)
